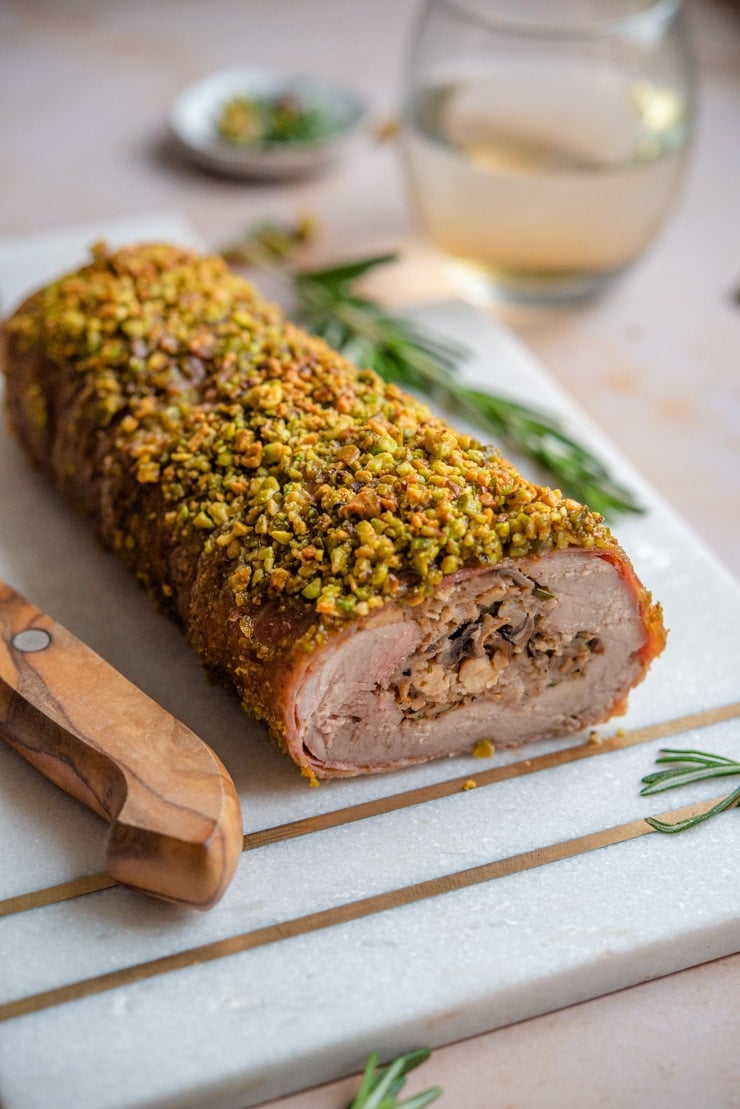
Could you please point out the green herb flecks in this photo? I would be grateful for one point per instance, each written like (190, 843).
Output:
(380, 1088)
(328, 304)
(694, 766)
(271, 120)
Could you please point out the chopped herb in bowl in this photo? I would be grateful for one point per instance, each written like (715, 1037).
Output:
(262, 125)
(262, 120)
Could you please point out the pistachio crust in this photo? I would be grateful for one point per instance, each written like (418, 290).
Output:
(306, 480)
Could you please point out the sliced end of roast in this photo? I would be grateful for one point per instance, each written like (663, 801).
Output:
(522, 651)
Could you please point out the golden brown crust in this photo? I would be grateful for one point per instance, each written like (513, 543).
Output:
(262, 488)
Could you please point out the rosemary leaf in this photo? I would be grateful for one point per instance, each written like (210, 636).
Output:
(702, 765)
(706, 758)
(668, 779)
(692, 821)
(341, 275)
(401, 351)
(379, 1089)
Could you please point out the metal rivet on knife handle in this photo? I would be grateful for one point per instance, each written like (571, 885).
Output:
(176, 828)
(31, 640)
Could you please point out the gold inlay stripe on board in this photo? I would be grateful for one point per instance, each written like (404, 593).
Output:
(342, 914)
(92, 883)
(53, 895)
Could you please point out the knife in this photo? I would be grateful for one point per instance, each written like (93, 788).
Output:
(176, 826)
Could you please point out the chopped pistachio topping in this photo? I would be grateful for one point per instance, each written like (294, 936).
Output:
(310, 479)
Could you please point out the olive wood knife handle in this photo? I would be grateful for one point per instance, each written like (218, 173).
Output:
(176, 829)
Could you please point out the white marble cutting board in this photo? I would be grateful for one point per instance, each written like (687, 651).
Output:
(307, 1005)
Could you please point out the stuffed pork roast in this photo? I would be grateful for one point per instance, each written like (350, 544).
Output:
(378, 588)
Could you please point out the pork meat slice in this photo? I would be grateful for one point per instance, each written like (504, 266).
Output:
(532, 648)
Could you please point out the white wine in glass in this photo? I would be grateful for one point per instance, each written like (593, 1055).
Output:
(544, 163)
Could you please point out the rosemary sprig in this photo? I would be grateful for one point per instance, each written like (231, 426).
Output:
(379, 1089)
(328, 304)
(701, 765)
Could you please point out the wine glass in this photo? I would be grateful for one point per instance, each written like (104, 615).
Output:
(544, 140)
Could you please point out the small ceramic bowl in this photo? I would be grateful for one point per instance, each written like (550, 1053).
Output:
(196, 113)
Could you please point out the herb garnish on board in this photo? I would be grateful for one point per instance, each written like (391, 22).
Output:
(379, 1089)
(328, 304)
(694, 766)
